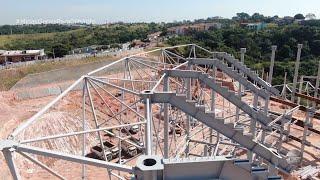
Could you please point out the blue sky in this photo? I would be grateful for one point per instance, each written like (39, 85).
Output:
(146, 10)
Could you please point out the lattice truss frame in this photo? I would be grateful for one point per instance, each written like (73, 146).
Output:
(129, 103)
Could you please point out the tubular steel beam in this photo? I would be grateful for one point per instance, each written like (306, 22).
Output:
(11, 164)
(73, 158)
(43, 166)
(42, 111)
(148, 127)
(314, 99)
(166, 120)
(291, 104)
(80, 132)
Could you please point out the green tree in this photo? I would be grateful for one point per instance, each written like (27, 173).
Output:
(60, 50)
(256, 17)
(299, 16)
(242, 16)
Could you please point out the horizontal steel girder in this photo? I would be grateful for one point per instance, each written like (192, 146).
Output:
(232, 73)
(223, 91)
(7, 144)
(247, 71)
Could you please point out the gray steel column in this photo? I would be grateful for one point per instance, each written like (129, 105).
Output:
(284, 89)
(305, 133)
(316, 90)
(273, 54)
(296, 72)
(240, 89)
(317, 83)
(281, 135)
(300, 88)
(166, 119)
(253, 122)
(148, 128)
(84, 127)
(253, 126)
(11, 164)
(213, 109)
(189, 96)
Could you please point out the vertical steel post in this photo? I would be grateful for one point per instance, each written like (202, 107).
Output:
(253, 122)
(166, 119)
(11, 164)
(84, 127)
(253, 126)
(240, 91)
(316, 90)
(273, 55)
(189, 96)
(305, 132)
(148, 128)
(213, 109)
(296, 72)
(284, 89)
(300, 88)
(317, 83)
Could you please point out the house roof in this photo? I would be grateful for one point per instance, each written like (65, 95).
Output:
(20, 53)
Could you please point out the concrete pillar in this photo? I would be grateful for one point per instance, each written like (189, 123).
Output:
(296, 72)
(273, 55)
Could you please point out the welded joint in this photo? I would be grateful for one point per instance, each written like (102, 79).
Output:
(8, 145)
(146, 94)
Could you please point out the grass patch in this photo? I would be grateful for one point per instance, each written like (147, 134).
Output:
(9, 77)
(6, 40)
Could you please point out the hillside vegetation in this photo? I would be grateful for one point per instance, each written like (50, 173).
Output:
(62, 42)
(258, 44)
(10, 77)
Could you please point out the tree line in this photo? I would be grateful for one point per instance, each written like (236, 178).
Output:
(61, 43)
(258, 44)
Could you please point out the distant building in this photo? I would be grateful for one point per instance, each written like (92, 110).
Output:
(21, 56)
(2, 51)
(93, 49)
(182, 30)
(254, 26)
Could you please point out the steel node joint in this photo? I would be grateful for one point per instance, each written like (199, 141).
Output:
(8, 145)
